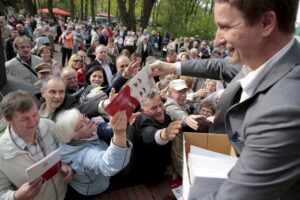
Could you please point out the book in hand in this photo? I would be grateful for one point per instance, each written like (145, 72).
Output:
(132, 94)
(47, 167)
(208, 169)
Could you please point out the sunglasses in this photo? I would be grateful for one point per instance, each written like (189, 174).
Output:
(77, 60)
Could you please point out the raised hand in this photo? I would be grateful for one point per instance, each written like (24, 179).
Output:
(132, 69)
(118, 123)
(171, 131)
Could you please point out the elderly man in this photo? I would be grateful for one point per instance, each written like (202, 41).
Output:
(260, 106)
(153, 139)
(22, 66)
(176, 104)
(26, 140)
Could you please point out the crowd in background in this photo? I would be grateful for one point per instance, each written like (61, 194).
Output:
(96, 61)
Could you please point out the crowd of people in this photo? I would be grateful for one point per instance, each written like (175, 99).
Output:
(242, 83)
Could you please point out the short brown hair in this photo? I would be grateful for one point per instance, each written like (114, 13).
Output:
(252, 10)
(17, 101)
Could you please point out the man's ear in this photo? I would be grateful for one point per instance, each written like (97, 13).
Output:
(268, 23)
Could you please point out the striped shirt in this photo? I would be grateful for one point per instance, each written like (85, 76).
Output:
(35, 149)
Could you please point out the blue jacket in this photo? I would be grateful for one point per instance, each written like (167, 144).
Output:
(94, 163)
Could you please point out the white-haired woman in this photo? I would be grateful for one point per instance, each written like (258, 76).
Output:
(92, 160)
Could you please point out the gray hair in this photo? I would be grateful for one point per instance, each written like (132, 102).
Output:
(66, 122)
(153, 93)
(50, 78)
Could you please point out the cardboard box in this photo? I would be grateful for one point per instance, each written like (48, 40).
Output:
(213, 142)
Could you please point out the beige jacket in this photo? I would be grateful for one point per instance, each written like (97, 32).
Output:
(14, 162)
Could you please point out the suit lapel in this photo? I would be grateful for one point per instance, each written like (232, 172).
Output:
(270, 75)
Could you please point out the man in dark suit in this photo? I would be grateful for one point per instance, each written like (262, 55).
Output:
(144, 49)
(261, 106)
(154, 132)
(103, 60)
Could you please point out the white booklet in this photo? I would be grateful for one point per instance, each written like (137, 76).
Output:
(208, 169)
(47, 167)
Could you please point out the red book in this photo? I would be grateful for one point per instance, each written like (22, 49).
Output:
(133, 93)
(123, 101)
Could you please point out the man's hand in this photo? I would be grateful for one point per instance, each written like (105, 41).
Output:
(68, 172)
(132, 69)
(112, 95)
(191, 121)
(171, 131)
(202, 93)
(133, 117)
(28, 191)
(160, 68)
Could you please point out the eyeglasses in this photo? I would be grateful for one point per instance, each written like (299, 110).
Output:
(77, 60)
(82, 122)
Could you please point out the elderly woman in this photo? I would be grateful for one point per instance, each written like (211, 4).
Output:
(45, 53)
(92, 160)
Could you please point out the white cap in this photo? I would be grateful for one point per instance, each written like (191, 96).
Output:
(178, 84)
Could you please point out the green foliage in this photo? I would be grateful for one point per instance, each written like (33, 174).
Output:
(174, 19)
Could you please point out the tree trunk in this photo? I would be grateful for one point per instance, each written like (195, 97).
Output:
(147, 9)
(28, 5)
(72, 8)
(108, 10)
(81, 10)
(50, 9)
(127, 17)
(93, 11)
(86, 7)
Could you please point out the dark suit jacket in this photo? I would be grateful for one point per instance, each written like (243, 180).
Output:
(264, 130)
(149, 159)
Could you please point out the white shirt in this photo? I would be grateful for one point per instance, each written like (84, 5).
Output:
(108, 72)
(248, 83)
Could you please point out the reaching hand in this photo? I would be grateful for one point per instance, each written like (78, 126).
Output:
(112, 95)
(160, 68)
(202, 93)
(171, 131)
(118, 122)
(133, 117)
(191, 121)
(132, 69)
(29, 190)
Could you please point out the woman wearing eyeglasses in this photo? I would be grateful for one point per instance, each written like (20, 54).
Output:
(92, 160)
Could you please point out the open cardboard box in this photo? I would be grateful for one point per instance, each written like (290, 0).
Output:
(213, 142)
